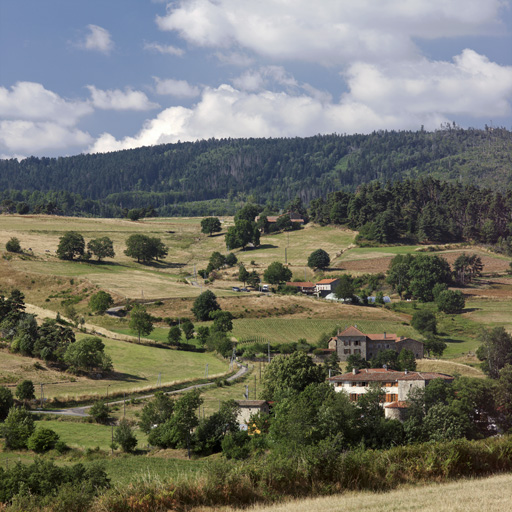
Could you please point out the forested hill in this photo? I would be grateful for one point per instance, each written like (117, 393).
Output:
(207, 176)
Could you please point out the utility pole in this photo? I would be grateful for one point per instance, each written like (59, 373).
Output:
(112, 443)
(285, 256)
(255, 395)
(42, 395)
(124, 405)
(268, 347)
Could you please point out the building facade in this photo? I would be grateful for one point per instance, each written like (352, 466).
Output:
(352, 341)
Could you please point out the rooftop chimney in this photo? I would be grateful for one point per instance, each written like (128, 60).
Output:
(354, 371)
(384, 335)
(406, 371)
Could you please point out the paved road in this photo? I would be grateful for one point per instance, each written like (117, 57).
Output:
(82, 411)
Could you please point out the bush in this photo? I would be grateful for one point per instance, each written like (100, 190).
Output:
(99, 411)
(6, 402)
(450, 301)
(424, 321)
(13, 245)
(25, 390)
(42, 440)
(100, 302)
(125, 437)
(17, 428)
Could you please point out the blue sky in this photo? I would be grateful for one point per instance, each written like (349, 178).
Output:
(103, 75)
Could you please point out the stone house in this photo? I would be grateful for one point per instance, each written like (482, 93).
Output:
(353, 341)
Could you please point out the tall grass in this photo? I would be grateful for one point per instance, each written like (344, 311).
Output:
(316, 471)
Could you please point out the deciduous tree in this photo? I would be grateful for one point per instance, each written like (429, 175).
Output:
(71, 246)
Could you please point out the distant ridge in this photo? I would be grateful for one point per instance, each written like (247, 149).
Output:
(225, 172)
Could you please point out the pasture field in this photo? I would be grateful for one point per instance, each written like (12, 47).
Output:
(136, 367)
(188, 249)
(469, 495)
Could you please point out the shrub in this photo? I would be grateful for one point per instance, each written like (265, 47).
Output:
(17, 428)
(450, 301)
(99, 411)
(13, 245)
(42, 440)
(125, 437)
(6, 402)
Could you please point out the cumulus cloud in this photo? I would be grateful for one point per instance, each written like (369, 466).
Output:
(120, 100)
(177, 88)
(98, 39)
(29, 137)
(331, 32)
(31, 101)
(379, 97)
(165, 49)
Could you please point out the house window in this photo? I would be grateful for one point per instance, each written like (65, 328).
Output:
(357, 351)
(387, 346)
(354, 397)
(354, 384)
(391, 397)
(356, 342)
(346, 351)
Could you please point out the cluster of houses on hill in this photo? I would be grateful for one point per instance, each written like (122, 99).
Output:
(396, 385)
(324, 288)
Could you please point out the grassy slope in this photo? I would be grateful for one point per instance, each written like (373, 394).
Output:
(472, 495)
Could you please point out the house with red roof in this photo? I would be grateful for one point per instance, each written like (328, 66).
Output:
(326, 286)
(352, 341)
(395, 385)
(303, 286)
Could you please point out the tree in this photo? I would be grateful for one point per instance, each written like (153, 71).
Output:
(99, 411)
(222, 321)
(204, 304)
(176, 431)
(293, 372)
(231, 260)
(145, 248)
(188, 329)
(277, 273)
(174, 335)
(25, 391)
(124, 436)
(100, 302)
(345, 288)
(495, 351)
(13, 245)
(140, 320)
(52, 340)
(425, 271)
(406, 360)
(71, 245)
(243, 274)
(210, 225)
(42, 440)
(6, 402)
(156, 412)
(88, 354)
(424, 321)
(17, 428)
(211, 431)
(451, 301)
(319, 259)
(253, 279)
(241, 234)
(101, 247)
(434, 345)
(504, 397)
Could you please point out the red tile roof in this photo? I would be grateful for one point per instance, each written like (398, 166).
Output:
(385, 336)
(352, 331)
(397, 405)
(305, 284)
(326, 281)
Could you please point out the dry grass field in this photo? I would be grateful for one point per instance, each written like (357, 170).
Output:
(472, 495)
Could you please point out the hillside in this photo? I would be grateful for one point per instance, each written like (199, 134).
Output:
(204, 177)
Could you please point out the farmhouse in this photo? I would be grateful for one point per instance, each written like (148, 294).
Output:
(326, 286)
(352, 341)
(249, 407)
(294, 217)
(396, 386)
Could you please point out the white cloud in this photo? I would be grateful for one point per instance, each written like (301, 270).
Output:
(331, 32)
(98, 39)
(379, 97)
(177, 88)
(165, 49)
(31, 101)
(120, 100)
(30, 137)
(471, 85)
(234, 59)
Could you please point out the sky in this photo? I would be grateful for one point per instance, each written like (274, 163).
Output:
(90, 76)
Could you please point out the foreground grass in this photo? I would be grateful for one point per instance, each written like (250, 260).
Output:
(468, 495)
